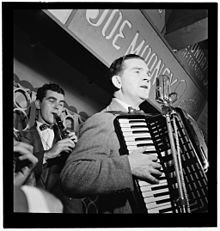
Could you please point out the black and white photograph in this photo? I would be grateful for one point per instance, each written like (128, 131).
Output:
(110, 115)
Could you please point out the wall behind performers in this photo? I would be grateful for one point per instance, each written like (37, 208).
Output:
(36, 65)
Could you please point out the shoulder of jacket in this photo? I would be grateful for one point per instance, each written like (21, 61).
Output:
(103, 115)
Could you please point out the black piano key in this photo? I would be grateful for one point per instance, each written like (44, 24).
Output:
(165, 210)
(159, 187)
(144, 144)
(135, 121)
(142, 138)
(149, 152)
(140, 131)
(138, 126)
(163, 201)
(162, 177)
(161, 194)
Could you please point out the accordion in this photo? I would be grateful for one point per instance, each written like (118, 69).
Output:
(136, 130)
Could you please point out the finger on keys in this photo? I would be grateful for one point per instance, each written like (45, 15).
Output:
(156, 165)
(155, 172)
(153, 179)
(154, 157)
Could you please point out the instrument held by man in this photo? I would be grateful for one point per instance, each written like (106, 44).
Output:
(63, 133)
(183, 186)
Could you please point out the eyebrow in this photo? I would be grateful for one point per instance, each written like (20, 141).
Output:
(137, 68)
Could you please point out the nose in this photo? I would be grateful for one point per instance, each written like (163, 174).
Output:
(147, 76)
(146, 79)
(56, 105)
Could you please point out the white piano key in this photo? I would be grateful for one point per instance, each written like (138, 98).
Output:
(124, 120)
(143, 183)
(132, 138)
(148, 148)
(131, 148)
(125, 125)
(139, 142)
(157, 209)
(156, 187)
(152, 193)
(154, 205)
(136, 135)
(147, 190)
(150, 200)
(134, 129)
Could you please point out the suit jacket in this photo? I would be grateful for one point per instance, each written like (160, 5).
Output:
(48, 175)
(95, 166)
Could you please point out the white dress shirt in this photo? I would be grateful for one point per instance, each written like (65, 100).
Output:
(125, 105)
(47, 137)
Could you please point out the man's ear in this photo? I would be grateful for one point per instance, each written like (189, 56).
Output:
(116, 80)
(37, 104)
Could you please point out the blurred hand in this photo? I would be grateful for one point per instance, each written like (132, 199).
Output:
(35, 200)
(144, 166)
(53, 203)
(73, 137)
(24, 153)
(64, 145)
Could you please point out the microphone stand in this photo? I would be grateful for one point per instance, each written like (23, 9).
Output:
(182, 201)
(163, 97)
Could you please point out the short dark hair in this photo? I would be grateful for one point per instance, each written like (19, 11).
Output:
(42, 91)
(117, 66)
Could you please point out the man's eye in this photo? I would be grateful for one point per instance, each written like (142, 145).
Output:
(51, 100)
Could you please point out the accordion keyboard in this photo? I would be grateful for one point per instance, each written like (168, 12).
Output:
(135, 131)
(156, 197)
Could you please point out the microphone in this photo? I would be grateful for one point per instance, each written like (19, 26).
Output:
(163, 95)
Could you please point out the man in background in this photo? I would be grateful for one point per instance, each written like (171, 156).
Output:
(45, 137)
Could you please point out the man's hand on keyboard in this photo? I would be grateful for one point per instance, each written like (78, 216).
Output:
(145, 166)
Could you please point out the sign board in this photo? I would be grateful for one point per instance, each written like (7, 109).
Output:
(109, 34)
(195, 61)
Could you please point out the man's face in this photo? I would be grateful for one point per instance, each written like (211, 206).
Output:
(53, 102)
(135, 81)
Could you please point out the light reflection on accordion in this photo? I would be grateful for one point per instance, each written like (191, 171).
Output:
(140, 130)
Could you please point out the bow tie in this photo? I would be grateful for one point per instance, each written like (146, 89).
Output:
(132, 110)
(45, 126)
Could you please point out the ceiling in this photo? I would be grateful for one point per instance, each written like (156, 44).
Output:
(186, 27)
(180, 28)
